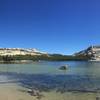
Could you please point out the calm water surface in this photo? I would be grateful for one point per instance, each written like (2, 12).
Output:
(75, 68)
(46, 76)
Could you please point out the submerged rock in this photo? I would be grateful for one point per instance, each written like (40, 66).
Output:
(33, 92)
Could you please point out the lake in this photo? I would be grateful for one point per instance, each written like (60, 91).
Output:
(80, 80)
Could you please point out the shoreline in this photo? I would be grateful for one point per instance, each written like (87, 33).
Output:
(32, 61)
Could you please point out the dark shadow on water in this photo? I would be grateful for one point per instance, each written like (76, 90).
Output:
(60, 83)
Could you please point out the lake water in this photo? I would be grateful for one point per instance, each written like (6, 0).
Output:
(81, 77)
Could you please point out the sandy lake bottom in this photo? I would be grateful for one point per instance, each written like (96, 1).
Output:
(15, 92)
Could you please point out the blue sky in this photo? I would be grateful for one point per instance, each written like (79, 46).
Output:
(54, 26)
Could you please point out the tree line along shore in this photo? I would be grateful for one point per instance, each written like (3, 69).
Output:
(50, 57)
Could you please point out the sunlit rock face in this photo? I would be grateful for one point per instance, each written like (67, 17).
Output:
(92, 51)
(19, 51)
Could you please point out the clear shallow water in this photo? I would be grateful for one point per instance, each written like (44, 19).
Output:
(46, 76)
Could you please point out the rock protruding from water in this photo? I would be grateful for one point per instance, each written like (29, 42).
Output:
(64, 67)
